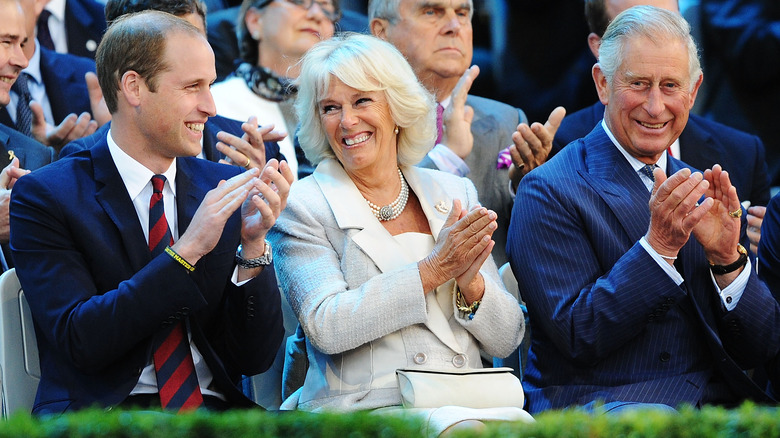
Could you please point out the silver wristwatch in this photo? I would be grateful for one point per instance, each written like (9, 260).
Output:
(263, 260)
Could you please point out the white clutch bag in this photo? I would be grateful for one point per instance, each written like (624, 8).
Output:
(473, 388)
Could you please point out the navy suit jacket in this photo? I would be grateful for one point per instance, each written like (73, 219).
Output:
(97, 298)
(85, 24)
(703, 143)
(32, 155)
(213, 126)
(607, 323)
(63, 78)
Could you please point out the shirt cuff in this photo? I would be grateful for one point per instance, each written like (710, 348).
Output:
(670, 270)
(234, 278)
(731, 294)
(448, 161)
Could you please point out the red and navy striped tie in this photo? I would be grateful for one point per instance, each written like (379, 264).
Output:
(176, 377)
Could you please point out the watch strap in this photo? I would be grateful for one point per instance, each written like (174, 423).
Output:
(731, 267)
(263, 260)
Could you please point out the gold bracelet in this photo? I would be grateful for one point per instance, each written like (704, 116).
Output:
(460, 303)
(179, 259)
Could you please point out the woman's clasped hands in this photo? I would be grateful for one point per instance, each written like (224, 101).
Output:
(463, 245)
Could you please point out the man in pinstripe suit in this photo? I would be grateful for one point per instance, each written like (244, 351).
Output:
(638, 289)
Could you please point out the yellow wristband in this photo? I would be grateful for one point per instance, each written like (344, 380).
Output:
(179, 259)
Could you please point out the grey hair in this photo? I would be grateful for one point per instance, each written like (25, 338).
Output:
(388, 9)
(365, 63)
(656, 24)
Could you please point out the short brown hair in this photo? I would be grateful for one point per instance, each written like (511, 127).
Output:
(596, 16)
(118, 8)
(136, 42)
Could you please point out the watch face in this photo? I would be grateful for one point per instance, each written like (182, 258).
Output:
(263, 260)
(267, 257)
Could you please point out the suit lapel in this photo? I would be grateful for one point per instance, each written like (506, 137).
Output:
(5, 146)
(352, 212)
(616, 182)
(698, 148)
(210, 141)
(189, 193)
(436, 204)
(56, 86)
(484, 125)
(113, 198)
(5, 118)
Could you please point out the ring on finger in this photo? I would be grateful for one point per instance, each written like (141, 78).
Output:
(248, 162)
(736, 214)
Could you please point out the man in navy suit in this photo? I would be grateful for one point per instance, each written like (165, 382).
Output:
(75, 26)
(639, 291)
(100, 300)
(61, 104)
(702, 144)
(17, 152)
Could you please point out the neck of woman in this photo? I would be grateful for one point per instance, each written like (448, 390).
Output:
(282, 66)
(378, 185)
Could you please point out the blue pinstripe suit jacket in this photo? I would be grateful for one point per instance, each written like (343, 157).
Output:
(606, 322)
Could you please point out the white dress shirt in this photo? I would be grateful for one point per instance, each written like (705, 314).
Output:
(137, 180)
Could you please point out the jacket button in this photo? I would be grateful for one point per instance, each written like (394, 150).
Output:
(665, 356)
(420, 358)
(459, 360)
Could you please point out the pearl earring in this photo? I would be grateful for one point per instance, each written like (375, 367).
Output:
(396, 130)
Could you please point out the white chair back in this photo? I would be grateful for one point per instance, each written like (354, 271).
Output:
(20, 369)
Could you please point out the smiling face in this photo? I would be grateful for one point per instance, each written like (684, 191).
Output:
(12, 38)
(171, 118)
(650, 96)
(359, 127)
(285, 32)
(436, 37)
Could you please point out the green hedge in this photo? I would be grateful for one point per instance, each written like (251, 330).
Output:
(746, 421)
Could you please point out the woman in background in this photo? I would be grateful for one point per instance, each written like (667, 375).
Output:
(273, 35)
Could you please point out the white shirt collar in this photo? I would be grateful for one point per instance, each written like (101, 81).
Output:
(34, 66)
(134, 174)
(633, 161)
(57, 9)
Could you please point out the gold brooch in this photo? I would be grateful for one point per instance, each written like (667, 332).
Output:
(11, 155)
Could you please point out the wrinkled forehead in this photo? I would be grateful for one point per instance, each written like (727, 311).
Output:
(413, 5)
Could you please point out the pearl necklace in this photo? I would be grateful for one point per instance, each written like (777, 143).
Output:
(393, 210)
